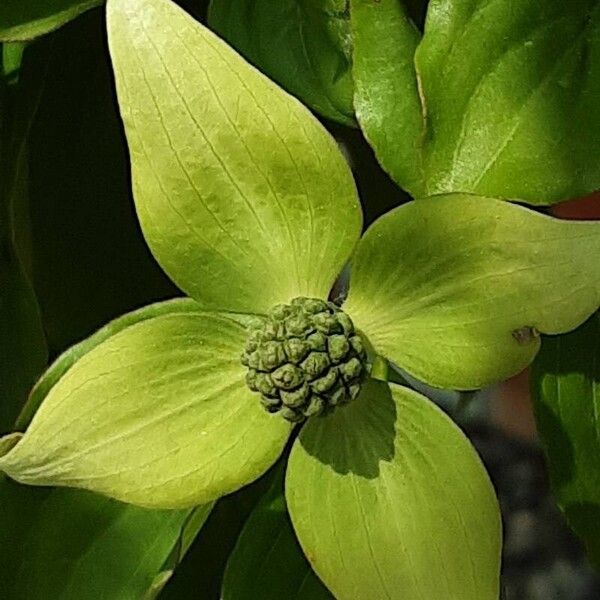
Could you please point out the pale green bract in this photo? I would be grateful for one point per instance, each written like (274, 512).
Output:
(247, 202)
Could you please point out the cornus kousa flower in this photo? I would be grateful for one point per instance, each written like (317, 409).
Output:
(248, 204)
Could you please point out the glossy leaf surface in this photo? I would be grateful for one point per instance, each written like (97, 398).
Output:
(243, 197)
(511, 98)
(566, 392)
(389, 500)
(304, 45)
(158, 415)
(22, 20)
(267, 561)
(453, 289)
(386, 98)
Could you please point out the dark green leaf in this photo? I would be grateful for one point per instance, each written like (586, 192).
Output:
(511, 98)
(72, 545)
(90, 262)
(566, 391)
(267, 561)
(304, 45)
(200, 574)
(22, 347)
(22, 342)
(22, 20)
(386, 99)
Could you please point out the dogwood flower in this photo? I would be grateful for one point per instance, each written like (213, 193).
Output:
(248, 204)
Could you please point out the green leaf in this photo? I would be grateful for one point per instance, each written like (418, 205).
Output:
(566, 393)
(73, 545)
(390, 500)
(244, 198)
(200, 574)
(23, 352)
(455, 289)
(386, 97)
(304, 45)
(511, 95)
(68, 358)
(22, 20)
(158, 415)
(267, 561)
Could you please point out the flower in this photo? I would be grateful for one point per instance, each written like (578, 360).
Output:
(247, 203)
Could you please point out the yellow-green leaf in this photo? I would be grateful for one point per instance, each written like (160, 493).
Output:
(390, 501)
(243, 197)
(158, 415)
(456, 289)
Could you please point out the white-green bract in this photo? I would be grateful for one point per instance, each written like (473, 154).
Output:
(246, 202)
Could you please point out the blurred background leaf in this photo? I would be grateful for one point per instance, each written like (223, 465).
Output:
(90, 262)
(22, 20)
(68, 544)
(566, 394)
(22, 341)
(200, 574)
(304, 45)
(267, 561)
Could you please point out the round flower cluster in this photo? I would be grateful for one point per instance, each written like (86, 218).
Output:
(304, 359)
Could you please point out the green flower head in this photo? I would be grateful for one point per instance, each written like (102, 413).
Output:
(248, 204)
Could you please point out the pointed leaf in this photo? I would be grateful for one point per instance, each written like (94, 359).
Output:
(511, 95)
(73, 545)
(301, 44)
(267, 561)
(389, 500)
(244, 198)
(566, 393)
(22, 20)
(455, 289)
(386, 99)
(157, 415)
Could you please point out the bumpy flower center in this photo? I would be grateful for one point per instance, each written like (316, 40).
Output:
(305, 359)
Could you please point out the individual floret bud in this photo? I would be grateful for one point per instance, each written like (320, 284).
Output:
(272, 355)
(327, 323)
(338, 347)
(288, 377)
(351, 370)
(296, 350)
(325, 383)
(297, 397)
(315, 364)
(317, 341)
